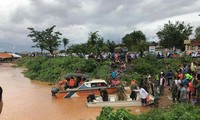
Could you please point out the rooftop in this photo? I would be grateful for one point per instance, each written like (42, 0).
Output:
(5, 55)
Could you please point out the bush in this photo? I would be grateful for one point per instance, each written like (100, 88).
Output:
(53, 69)
(176, 112)
(108, 113)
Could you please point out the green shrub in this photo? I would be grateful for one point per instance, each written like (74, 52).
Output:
(53, 69)
(108, 113)
(176, 112)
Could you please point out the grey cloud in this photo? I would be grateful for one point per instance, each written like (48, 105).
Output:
(12, 47)
(70, 12)
(112, 18)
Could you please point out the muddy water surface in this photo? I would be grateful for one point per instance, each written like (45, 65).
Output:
(31, 100)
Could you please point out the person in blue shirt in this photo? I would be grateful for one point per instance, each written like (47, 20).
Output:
(184, 82)
(114, 74)
(169, 77)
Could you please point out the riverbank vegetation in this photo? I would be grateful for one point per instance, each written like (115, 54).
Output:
(53, 69)
(176, 112)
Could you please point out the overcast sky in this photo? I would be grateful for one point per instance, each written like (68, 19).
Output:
(76, 18)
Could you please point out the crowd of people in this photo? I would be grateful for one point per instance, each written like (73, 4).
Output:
(183, 84)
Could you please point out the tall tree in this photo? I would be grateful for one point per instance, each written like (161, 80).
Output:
(95, 42)
(111, 45)
(174, 34)
(93, 38)
(65, 43)
(141, 46)
(46, 39)
(133, 38)
(197, 33)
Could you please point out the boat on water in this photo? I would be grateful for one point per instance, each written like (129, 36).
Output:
(89, 86)
(113, 102)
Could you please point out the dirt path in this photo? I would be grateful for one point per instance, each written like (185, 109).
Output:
(166, 100)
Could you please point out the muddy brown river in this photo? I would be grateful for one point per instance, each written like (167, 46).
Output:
(25, 99)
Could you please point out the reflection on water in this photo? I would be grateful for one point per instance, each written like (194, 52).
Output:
(31, 100)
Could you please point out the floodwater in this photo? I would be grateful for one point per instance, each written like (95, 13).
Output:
(24, 99)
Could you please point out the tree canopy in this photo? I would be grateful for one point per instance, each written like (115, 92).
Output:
(65, 43)
(95, 41)
(46, 39)
(174, 34)
(197, 33)
(132, 39)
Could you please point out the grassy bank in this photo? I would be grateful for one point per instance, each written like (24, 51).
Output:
(176, 112)
(53, 69)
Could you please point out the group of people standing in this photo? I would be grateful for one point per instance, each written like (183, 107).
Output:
(184, 85)
(182, 82)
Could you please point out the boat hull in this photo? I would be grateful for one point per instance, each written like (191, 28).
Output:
(114, 103)
(84, 92)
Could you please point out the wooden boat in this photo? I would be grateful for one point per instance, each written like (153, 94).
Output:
(113, 103)
(88, 87)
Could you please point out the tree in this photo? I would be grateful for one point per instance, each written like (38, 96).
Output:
(95, 42)
(133, 38)
(197, 33)
(46, 39)
(141, 46)
(65, 43)
(78, 48)
(93, 38)
(111, 45)
(174, 34)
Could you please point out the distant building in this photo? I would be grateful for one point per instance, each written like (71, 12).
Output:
(5, 56)
(152, 47)
(192, 46)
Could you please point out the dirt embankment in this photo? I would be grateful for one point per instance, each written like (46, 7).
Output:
(165, 101)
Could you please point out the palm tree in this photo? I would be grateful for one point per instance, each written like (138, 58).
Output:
(93, 38)
(141, 46)
(65, 43)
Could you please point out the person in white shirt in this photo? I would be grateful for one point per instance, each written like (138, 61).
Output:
(177, 81)
(143, 95)
(162, 84)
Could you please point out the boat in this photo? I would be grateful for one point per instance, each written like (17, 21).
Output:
(114, 103)
(88, 87)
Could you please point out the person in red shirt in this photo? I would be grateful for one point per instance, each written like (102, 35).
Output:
(192, 90)
(180, 75)
(71, 82)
